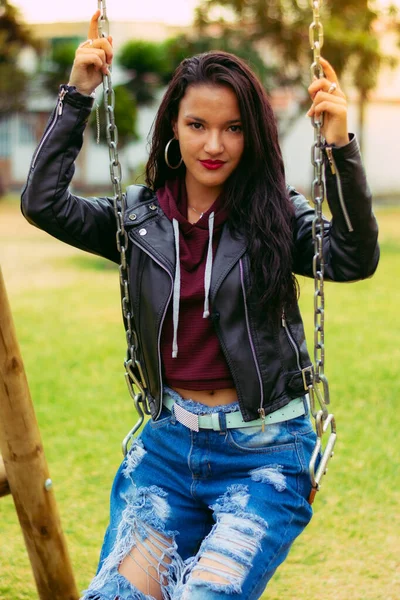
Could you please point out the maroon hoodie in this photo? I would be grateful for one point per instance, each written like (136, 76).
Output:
(200, 363)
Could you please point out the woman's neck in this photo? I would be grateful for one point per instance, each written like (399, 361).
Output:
(199, 196)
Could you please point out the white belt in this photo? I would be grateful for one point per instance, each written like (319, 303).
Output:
(295, 408)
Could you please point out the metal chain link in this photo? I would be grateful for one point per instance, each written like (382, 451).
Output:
(133, 369)
(318, 194)
(323, 418)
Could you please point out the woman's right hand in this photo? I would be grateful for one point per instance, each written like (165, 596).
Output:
(92, 60)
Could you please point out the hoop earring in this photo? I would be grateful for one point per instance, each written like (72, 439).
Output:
(166, 156)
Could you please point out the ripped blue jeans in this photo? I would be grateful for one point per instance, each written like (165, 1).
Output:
(212, 513)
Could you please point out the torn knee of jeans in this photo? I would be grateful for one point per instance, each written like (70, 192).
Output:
(149, 561)
(227, 553)
(142, 536)
(217, 568)
(134, 457)
(272, 474)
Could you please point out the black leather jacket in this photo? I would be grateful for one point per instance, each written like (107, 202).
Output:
(269, 362)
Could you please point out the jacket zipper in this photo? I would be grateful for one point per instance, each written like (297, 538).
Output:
(227, 358)
(335, 172)
(57, 113)
(162, 320)
(253, 350)
(291, 339)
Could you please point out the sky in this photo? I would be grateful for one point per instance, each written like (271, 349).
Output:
(179, 12)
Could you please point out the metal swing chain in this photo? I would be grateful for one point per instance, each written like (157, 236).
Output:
(133, 370)
(323, 419)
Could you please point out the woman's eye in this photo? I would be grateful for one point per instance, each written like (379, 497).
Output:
(236, 128)
(195, 125)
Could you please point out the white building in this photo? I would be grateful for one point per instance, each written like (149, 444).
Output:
(19, 135)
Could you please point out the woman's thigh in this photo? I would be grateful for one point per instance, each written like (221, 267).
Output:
(219, 512)
(155, 522)
(260, 506)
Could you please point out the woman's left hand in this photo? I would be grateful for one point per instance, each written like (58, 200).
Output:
(329, 99)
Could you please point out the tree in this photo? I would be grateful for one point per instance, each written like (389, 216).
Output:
(145, 65)
(58, 64)
(125, 114)
(14, 36)
(182, 46)
(351, 42)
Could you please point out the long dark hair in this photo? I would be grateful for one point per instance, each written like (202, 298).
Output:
(255, 194)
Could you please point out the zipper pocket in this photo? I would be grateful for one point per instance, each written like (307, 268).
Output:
(260, 410)
(335, 172)
(161, 322)
(291, 339)
(57, 113)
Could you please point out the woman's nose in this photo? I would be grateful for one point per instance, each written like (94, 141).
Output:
(214, 144)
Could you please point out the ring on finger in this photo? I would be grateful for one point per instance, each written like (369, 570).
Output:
(86, 43)
(332, 88)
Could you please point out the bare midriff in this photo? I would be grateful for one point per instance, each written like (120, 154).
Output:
(209, 397)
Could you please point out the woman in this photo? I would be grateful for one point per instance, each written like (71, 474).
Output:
(214, 491)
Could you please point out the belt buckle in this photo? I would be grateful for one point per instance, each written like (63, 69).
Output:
(215, 421)
(188, 419)
(304, 372)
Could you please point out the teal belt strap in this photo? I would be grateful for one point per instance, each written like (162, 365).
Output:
(295, 408)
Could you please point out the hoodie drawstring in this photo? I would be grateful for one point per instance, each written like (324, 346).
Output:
(177, 290)
(177, 280)
(208, 271)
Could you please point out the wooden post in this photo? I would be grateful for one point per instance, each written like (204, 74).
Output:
(4, 487)
(27, 471)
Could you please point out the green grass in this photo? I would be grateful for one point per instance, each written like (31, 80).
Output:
(72, 341)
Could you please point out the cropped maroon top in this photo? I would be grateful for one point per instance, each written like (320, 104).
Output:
(200, 363)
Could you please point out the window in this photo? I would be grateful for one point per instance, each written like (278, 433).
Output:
(26, 131)
(5, 138)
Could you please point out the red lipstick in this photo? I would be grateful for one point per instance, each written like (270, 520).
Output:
(212, 164)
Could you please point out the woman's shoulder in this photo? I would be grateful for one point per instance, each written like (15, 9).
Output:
(136, 194)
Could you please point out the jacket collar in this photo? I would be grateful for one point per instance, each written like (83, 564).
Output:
(151, 230)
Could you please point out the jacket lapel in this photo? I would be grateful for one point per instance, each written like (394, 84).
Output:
(156, 237)
(230, 249)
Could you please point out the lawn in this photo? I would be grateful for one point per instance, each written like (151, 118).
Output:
(66, 310)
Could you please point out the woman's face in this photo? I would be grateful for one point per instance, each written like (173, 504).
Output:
(209, 130)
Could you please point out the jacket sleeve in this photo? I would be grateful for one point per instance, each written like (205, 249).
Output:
(350, 246)
(46, 201)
